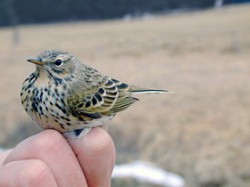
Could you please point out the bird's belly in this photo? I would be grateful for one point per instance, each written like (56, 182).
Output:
(69, 123)
(51, 112)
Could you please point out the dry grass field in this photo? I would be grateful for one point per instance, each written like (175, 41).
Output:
(201, 132)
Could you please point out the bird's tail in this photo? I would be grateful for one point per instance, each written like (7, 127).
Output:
(139, 90)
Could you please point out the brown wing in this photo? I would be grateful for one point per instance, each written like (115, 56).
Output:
(109, 97)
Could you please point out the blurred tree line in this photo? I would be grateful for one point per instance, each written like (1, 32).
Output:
(30, 11)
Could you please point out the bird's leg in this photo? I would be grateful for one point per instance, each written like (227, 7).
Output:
(77, 133)
(85, 131)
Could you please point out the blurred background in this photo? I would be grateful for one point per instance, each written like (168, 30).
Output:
(198, 49)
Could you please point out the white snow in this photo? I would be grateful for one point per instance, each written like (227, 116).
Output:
(146, 172)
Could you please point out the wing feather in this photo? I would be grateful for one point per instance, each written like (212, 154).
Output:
(99, 99)
(109, 97)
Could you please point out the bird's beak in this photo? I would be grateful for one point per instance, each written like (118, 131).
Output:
(35, 61)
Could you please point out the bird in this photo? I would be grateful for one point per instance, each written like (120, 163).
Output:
(71, 97)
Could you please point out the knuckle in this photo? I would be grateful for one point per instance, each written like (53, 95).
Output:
(37, 172)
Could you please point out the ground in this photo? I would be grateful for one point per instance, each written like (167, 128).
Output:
(201, 132)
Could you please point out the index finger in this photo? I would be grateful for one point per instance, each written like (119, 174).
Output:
(51, 147)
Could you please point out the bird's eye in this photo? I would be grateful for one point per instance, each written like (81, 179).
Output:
(58, 62)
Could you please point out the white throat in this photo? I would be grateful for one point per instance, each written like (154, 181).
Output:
(43, 79)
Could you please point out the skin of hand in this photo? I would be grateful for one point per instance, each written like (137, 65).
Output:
(48, 159)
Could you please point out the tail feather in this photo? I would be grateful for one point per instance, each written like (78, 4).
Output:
(139, 90)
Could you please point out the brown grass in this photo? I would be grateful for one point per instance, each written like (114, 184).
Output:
(201, 131)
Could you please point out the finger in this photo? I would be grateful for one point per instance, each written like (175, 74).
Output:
(50, 147)
(27, 173)
(96, 154)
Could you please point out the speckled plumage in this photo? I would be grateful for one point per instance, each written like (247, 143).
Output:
(69, 96)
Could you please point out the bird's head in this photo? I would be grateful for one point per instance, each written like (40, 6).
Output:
(56, 63)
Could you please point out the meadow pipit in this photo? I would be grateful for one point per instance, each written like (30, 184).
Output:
(71, 97)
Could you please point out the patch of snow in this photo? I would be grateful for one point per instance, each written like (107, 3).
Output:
(146, 172)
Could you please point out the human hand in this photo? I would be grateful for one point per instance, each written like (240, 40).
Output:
(47, 159)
